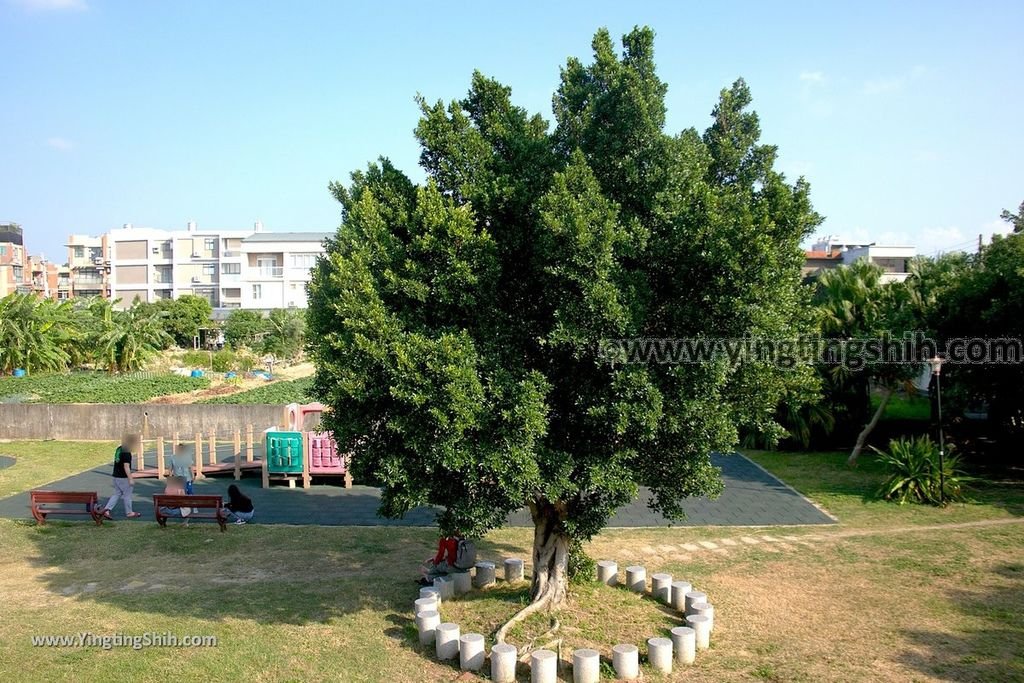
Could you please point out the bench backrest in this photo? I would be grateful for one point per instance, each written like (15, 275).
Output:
(173, 501)
(63, 496)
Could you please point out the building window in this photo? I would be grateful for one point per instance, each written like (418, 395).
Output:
(210, 269)
(3, 250)
(306, 261)
(231, 268)
(79, 252)
(257, 292)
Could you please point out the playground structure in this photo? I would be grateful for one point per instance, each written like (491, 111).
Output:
(298, 451)
(293, 451)
(213, 454)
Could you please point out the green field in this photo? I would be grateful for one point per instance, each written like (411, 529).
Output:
(892, 593)
(276, 393)
(95, 387)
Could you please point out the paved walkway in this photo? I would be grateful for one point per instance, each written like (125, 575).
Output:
(752, 497)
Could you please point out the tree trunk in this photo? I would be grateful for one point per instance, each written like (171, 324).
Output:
(550, 556)
(863, 436)
(550, 563)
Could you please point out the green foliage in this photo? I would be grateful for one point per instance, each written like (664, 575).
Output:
(223, 361)
(94, 387)
(285, 333)
(244, 329)
(276, 393)
(183, 317)
(582, 568)
(455, 325)
(36, 334)
(197, 359)
(131, 338)
(912, 466)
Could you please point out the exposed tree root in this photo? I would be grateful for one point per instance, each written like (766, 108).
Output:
(522, 614)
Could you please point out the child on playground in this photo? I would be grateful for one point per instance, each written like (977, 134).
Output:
(122, 476)
(181, 464)
(239, 506)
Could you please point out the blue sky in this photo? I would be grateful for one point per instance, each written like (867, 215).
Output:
(905, 117)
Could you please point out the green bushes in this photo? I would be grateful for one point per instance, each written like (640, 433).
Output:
(914, 475)
(223, 361)
(197, 359)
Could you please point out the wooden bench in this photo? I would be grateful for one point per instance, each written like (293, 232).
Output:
(214, 503)
(88, 499)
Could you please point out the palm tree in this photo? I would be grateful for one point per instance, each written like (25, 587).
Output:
(35, 334)
(132, 337)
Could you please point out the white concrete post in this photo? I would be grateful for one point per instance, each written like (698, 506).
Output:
(661, 587)
(427, 622)
(430, 590)
(692, 598)
(608, 572)
(446, 586)
(543, 666)
(659, 654)
(484, 574)
(705, 610)
(428, 604)
(679, 591)
(586, 666)
(514, 570)
(626, 661)
(701, 626)
(471, 652)
(684, 642)
(446, 641)
(636, 578)
(463, 582)
(503, 663)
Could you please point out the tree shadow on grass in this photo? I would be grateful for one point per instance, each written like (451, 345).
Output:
(987, 642)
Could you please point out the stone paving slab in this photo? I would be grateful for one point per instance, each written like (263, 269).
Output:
(752, 497)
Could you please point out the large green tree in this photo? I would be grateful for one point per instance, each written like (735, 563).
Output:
(457, 326)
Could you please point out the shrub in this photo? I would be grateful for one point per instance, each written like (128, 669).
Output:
(196, 359)
(581, 567)
(223, 361)
(914, 476)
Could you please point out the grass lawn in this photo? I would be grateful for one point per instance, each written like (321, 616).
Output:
(902, 407)
(890, 594)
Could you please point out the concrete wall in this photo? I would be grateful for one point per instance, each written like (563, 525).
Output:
(86, 422)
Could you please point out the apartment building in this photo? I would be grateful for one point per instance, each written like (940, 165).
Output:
(276, 267)
(150, 264)
(15, 276)
(229, 268)
(88, 271)
(829, 252)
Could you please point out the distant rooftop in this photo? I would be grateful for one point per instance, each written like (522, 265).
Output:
(288, 237)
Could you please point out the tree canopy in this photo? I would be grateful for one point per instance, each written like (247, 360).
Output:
(457, 325)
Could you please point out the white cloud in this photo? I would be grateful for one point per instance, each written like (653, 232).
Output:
(60, 144)
(51, 5)
(812, 77)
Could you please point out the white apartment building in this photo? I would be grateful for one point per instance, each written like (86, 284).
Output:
(829, 252)
(229, 268)
(276, 267)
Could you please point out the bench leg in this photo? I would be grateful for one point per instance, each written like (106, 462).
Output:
(38, 514)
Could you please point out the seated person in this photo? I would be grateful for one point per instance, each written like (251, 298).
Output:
(447, 560)
(175, 487)
(239, 506)
(181, 464)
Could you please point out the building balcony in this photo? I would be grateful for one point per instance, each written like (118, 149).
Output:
(265, 273)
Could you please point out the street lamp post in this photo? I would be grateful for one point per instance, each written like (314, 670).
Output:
(936, 365)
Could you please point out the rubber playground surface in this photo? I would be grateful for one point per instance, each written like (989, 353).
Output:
(752, 497)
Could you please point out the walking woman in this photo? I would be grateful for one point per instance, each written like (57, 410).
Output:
(122, 476)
